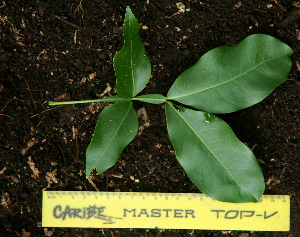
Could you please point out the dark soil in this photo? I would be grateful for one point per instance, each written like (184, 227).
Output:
(63, 50)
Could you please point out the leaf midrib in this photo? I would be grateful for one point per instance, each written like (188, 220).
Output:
(131, 61)
(210, 150)
(232, 79)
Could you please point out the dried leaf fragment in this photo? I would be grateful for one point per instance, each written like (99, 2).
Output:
(181, 7)
(32, 142)
(33, 168)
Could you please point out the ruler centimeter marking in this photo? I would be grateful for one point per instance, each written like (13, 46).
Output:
(163, 211)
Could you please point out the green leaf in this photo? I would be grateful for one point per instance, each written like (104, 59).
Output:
(131, 64)
(230, 78)
(215, 160)
(151, 98)
(116, 127)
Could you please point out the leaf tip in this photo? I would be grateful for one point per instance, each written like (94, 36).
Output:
(128, 11)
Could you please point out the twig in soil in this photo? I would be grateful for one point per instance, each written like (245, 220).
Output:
(73, 176)
(63, 156)
(67, 22)
(18, 36)
(92, 183)
(279, 4)
(159, 231)
(7, 116)
(102, 230)
(77, 154)
(44, 111)
(15, 98)
(261, 11)
(3, 170)
(281, 176)
(3, 19)
(76, 142)
(39, 123)
(252, 148)
(76, 161)
(181, 9)
(28, 87)
(291, 17)
(80, 7)
(296, 4)
(30, 143)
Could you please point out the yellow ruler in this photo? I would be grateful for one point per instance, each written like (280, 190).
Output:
(163, 211)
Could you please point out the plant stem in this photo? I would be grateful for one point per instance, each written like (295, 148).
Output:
(109, 99)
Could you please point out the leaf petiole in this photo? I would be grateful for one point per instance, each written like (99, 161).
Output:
(151, 98)
(108, 99)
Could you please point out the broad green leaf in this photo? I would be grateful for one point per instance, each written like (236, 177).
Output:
(116, 127)
(215, 160)
(152, 98)
(230, 78)
(131, 64)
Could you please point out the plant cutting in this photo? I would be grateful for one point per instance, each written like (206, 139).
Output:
(224, 80)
